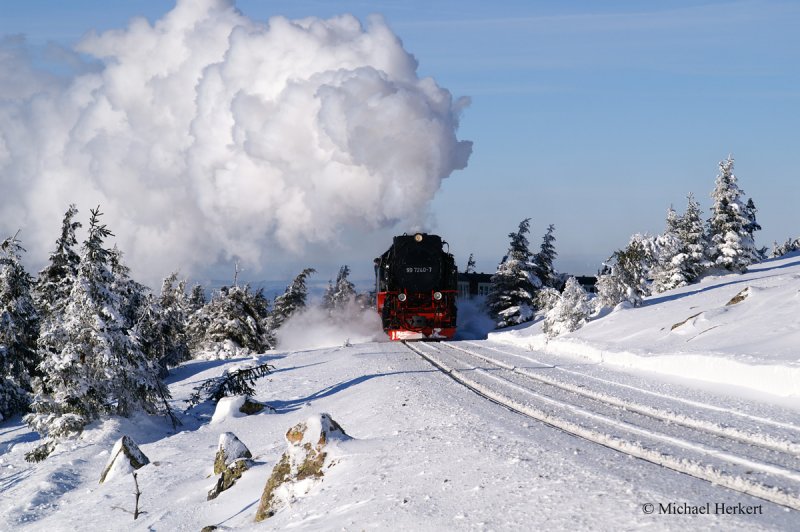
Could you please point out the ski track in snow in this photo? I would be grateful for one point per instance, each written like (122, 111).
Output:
(778, 482)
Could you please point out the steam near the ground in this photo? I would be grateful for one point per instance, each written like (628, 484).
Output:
(209, 135)
(314, 328)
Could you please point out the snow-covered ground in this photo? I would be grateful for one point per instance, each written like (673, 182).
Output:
(697, 331)
(429, 454)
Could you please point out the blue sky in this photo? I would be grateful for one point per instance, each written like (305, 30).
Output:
(593, 116)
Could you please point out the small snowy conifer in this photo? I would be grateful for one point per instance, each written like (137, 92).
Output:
(791, 245)
(732, 246)
(197, 298)
(692, 234)
(344, 291)
(470, 264)
(625, 278)
(571, 311)
(287, 304)
(131, 293)
(752, 225)
(514, 285)
(234, 323)
(543, 260)
(161, 326)
(669, 269)
(54, 284)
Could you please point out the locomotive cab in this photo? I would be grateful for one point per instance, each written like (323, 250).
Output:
(416, 288)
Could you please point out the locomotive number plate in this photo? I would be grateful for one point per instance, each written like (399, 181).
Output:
(423, 269)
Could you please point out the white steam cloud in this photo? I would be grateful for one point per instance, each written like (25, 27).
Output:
(208, 135)
(314, 328)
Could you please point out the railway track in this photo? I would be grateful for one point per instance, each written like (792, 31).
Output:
(750, 454)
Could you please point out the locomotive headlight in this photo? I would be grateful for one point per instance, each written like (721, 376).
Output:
(401, 297)
(418, 237)
(437, 296)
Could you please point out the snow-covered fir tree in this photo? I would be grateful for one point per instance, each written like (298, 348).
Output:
(543, 261)
(197, 298)
(571, 311)
(731, 245)
(344, 292)
(327, 296)
(514, 285)
(101, 368)
(161, 326)
(196, 319)
(752, 225)
(131, 293)
(54, 284)
(287, 304)
(19, 329)
(669, 270)
(233, 323)
(625, 276)
(692, 233)
(470, 264)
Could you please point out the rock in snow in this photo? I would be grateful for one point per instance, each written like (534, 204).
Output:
(232, 460)
(237, 406)
(229, 450)
(301, 466)
(125, 458)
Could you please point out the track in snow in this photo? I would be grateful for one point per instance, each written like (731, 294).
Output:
(637, 422)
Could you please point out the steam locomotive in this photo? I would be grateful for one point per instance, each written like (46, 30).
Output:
(417, 285)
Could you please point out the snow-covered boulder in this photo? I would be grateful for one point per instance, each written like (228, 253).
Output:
(237, 406)
(126, 457)
(302, 465)
(229, 450)
(233, 458)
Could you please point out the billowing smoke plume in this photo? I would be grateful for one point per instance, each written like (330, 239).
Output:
(208, 135)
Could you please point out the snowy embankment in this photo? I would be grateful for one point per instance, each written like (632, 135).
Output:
(740, 330)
